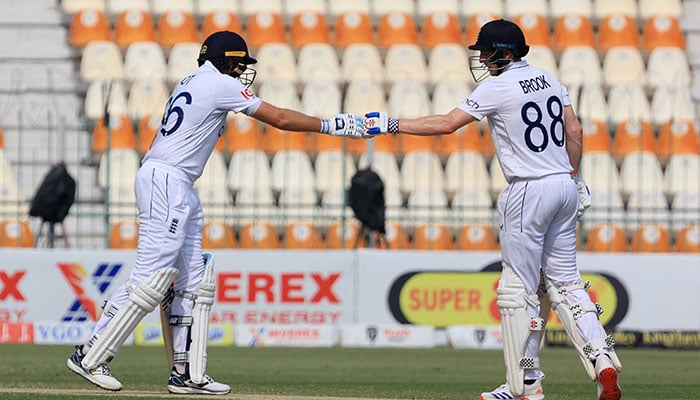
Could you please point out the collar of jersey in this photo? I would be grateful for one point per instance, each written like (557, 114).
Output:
(516, 64)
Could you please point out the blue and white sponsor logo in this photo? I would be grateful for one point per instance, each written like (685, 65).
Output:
(216, 333)
(54, 332)
(151, 334)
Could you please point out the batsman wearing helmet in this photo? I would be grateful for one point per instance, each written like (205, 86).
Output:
(171, 219)
(538, 142)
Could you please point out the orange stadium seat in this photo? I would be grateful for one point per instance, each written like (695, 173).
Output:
(688, 240)
(607, 238)
(488, 150)
(467, 138)
(15, 233)
(411, 143)
(265, 27)
(147, 129)
(309, 27)
(259, 235)
(218, 235)
(432, 236)
(440, 27)
(617, 30)
(388, 143)
(124, 234)
(573, 30)
(397, 28)
(632, 137)
(134, 25)
(302, 235)
(596, 136)
(176, 26)
(395, 238)
(242, 133)
(677, 137)
(278, 140)
(319, 143)
(122, 134)
(353, 27)
(535, 28)
(220, 20)
(476, 237)
(88, 25)
(344, 236)
(651, 238)
(662, 31)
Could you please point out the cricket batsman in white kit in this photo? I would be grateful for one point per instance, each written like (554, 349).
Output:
(171, 219)
(538, 142)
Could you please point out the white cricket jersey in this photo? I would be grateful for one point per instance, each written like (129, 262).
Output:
(525, 110)
(194, 118)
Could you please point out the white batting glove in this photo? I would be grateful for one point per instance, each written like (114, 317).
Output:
(584, 195)
(344, 124)
(379, 123)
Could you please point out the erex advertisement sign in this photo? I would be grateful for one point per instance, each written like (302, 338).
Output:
(252, 287)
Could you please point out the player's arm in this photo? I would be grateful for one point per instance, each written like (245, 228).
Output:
(286, 119)
(574, 137)
(439, 124)
(291, 120)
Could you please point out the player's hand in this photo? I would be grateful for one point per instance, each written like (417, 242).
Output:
(584, 196)
(345, 124)
(376, 123)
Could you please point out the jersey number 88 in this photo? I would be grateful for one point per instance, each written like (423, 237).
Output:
(556, 114)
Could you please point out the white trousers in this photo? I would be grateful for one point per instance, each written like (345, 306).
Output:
(170, 234)
(537, 229)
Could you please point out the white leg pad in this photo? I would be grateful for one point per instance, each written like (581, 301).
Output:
(517, 325)
(569, 314)
(200, 322)
(142, 300)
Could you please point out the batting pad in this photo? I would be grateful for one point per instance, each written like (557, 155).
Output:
(517, 325)
(142, 300)
(570, 314)
(200, 322)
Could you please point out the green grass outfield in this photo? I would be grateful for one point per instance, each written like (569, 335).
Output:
(39, 372)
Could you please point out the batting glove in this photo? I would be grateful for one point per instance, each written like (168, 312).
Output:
(584, 195)
(344, 125)
(378, 123)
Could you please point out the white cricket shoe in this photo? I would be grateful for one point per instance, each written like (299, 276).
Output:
(608, 387)
(181, 384)
(531, 392)
(100, 376)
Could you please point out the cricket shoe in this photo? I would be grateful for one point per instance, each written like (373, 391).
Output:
(608, 387)
(531, 392)
(181, 384)
(100, 376)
